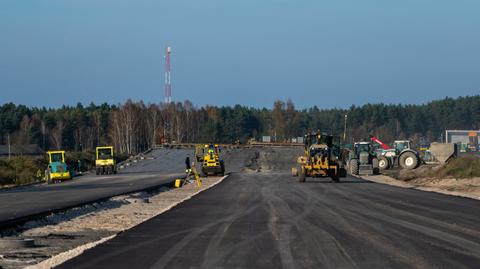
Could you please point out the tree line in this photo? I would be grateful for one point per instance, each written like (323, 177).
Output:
(133, 127)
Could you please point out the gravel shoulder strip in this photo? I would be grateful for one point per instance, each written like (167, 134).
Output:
(62, 237)
(468, 188)
(65, 256)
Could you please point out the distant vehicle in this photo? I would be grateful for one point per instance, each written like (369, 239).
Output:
(209, 156)
(321, 158)
(105, 161)
(400, 155)
(362, 159)
(57, 169)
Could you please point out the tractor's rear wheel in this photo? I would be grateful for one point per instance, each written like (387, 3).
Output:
(334, 175)
(375, 166)
(383, 163)
(408, 160)
(301, 174)
(353, 165)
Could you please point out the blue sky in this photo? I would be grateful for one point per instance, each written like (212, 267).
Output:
(326, 53)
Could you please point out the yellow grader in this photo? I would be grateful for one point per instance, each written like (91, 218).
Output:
(322, 158)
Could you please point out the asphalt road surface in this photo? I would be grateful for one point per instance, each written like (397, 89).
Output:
(160, 167)
(268, 220)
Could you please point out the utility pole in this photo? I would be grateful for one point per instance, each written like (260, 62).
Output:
(168, 83)
(345, 129)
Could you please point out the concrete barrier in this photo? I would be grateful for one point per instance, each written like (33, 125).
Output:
(443, 151)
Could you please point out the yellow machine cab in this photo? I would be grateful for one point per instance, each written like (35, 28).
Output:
(105, 163)
(57, 169)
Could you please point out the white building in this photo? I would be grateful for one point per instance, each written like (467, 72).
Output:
(467, 139)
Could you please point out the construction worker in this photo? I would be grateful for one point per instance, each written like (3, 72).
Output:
(188, 166)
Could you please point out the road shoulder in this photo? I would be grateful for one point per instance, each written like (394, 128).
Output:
(468, 188)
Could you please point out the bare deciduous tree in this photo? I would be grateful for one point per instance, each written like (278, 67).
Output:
(56, 134)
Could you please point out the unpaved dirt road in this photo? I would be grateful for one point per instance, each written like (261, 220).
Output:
(266, 219)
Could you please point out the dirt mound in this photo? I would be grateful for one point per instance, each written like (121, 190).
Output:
(421, 172)
(459, 176)
(462, 167)
(276, 159)
(265, 159)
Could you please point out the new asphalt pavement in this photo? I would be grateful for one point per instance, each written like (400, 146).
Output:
(269, 220)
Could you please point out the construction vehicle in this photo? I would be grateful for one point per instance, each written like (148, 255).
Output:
(401, 155)
(362, 159)
(105, 161)
(209, 157)
(321, 158)
(57, 167)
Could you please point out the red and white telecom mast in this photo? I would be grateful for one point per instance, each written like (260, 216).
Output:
(168, 84)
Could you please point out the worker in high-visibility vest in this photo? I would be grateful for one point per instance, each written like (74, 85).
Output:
(188, 166)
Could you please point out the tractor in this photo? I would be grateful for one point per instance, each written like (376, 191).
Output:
(321, 158)
(105, 161)
(209, 156)
(57, 169)
(362, 159)
(401, 155)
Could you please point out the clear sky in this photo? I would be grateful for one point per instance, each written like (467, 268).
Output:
(327, 53)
